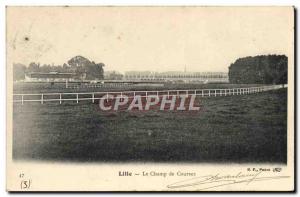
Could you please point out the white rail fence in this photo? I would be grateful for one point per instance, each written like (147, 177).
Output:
(93, 96)
(111, 85)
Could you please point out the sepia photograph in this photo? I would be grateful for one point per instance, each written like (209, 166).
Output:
(171, 94)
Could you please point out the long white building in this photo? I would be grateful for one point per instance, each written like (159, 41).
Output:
(204, 77)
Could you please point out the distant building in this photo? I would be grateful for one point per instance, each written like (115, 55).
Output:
(204, 77)
(113, 75)
(51, 77)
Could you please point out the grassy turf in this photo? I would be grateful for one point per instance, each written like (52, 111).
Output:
(241, 128)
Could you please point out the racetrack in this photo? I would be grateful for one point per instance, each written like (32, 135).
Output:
(241, 128)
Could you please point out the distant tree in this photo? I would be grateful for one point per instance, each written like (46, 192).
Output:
(19, 71)
(66, 68)
(94, 71)
(78, 61)
(78, 64)
(33, 67)
(82, 65)
(263, 69)
(114, 75)
(45, 68)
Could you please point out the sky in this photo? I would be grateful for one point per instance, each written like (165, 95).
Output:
(202, 39)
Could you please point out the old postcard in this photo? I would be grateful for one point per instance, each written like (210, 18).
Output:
(150, 98)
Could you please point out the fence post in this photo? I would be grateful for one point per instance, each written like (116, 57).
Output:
(208, 92)
(59, 98)
(93, 97)
(42, 99)
(202, 92)
(225, 91)
(77, 97)
(215, 92)
(22, 97)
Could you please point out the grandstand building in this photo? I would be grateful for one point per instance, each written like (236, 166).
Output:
(203, 77)
(50, 77)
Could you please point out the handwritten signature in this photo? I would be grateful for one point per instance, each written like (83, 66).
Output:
(218, 180)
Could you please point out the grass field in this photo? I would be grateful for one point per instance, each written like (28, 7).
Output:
(243, 128)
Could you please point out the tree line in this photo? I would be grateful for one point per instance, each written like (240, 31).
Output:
(262, 69)
(78, 65)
